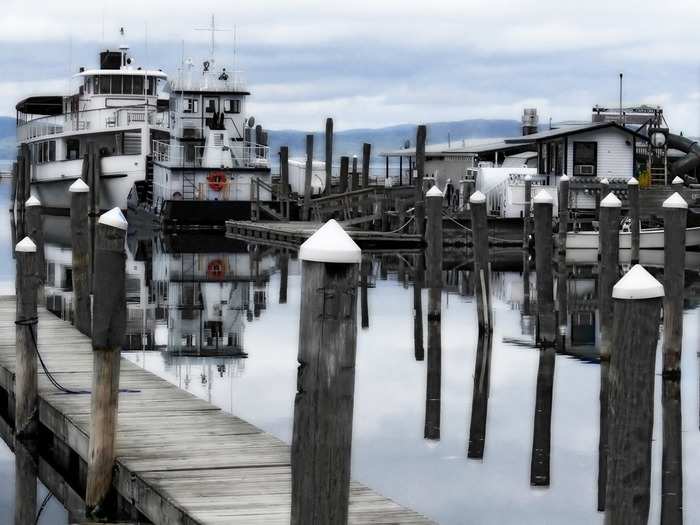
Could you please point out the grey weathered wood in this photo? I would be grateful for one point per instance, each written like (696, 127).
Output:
(672, 455)
(434, 369)
(329, 155)
(482, 271)
(355, 179)
(603, 434)
(546, 332)
(307, 176)
(80, 244)
(366, 157)
(563, 212)
(26, 471)
(365, 269)
(480, 397)
(542, 428)
(34, 228)
(108, 330)
(675, 222)
(323, 407)
(419, 205)
(631, 408)
(284, 277)
(284, 180)
(418, 280)
(26, 379)
(344, 163)
(633, 199)
(527, 212)
(609, 249)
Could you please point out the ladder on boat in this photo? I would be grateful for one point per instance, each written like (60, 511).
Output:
(189, 185)
(257, 205)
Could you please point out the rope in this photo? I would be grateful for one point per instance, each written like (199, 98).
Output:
(471, 231)
(47, 498)
(33, 321)
(402, 227)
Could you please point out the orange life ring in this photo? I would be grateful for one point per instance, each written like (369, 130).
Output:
(215, 270)
(216, 180)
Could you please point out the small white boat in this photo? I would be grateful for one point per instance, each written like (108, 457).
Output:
(652, 238)
(653, 258)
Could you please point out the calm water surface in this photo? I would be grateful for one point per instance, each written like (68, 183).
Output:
(190, 297)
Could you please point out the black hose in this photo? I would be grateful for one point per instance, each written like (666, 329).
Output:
(685, 165)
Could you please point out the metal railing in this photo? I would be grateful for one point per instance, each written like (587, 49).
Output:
(243, 154)
(93, 120)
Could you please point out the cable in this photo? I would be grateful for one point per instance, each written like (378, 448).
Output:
(402, 227)
(470, 230)
(32, 321)
(47, 498)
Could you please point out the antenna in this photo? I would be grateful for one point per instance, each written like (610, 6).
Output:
(146, 42)
(621, 114)
(213, 30)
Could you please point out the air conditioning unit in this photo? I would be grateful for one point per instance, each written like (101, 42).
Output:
(584, 169)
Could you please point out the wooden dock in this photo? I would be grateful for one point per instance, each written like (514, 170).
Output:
(292, 234)
(179, 460)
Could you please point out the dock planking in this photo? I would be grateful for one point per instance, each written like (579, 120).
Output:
(179, 459)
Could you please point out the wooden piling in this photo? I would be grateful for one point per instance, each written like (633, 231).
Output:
(546, 324)
(366, 156)
(344, 164)
(108, 331)
(672, 454)
(80, 244)
(26, 381)
(482, 270)
(637, 299)
(34, 228)
(433, 199)
(677, 183)
(527, 212)
(480, 397)
(419, 205)
(633, 198)
(542, 428)
(563, 211)
(284, 277)
(355, 179)
(323, 406)
(284, 180)
(609, 250)
(26, 473)
(329, 155)
(603, 434)
(365, 268)
(675, 211)
(418, 280)
(307, 176)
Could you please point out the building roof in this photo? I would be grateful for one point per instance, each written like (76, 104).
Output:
(461, 147)
(133, 72)
(570, 130)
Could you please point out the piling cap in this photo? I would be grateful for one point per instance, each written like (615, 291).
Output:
(675, 201)
(330, 244)
(79, 186)
(637, 284)
(632, 182)
(114, 218)
(477, 197)
(528, 178)
(32, 201)
(434, 192)
(604, 181)
(26, 245)
(543, 197)
(677, 180)
(610, 201)
(565, 178)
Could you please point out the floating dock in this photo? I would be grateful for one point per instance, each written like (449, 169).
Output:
(179, 460)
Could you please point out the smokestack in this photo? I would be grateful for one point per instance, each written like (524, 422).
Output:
(530, 121)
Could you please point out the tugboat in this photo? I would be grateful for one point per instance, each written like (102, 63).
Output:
(117, 108)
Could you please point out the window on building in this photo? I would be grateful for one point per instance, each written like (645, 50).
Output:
(585, 159)
(190, 105)
(232, 105)
(210, 105)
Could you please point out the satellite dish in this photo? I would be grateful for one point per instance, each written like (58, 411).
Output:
(206, 65)
(251, 122)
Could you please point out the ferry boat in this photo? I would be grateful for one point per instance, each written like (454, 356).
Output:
(119, 107)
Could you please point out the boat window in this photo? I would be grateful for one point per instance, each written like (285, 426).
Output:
(138, 85)
(585, 158)
(232, 105)
(116, 83)
(151, 86)
(104, 85)
(88, 85)
(128, 85)
(52, 150)
(190, 105)
(210, 106)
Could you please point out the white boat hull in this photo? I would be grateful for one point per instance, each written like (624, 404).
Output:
(50, 182)
(648, 239)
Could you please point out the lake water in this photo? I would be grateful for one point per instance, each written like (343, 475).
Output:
(202, 295)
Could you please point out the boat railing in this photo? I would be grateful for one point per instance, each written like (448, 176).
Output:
(243, 154)
(231, 81)
(93, 120)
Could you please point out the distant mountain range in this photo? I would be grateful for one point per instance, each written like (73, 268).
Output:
(347, 142)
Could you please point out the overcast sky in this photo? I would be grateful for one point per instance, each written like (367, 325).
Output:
(377, 63)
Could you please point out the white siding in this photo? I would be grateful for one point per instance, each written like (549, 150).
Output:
(615, 156)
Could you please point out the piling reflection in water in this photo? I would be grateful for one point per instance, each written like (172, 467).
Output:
(480, 397)
(418, 277)
(672, 455)
(26, 470)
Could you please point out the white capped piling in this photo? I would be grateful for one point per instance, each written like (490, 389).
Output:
(433, 237)
(563, 211)
(329, 155)
(675, 211)
(284, 181)
(544, 250)
(637, 299)
(527, 212)
(633, 198)
(419, 203)
(33, 227)
(323, 406)
(26, 390)
(306, 211)
(108, 331)
(482, 269)
(80, 244)
(677, 183)
(608, 251)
